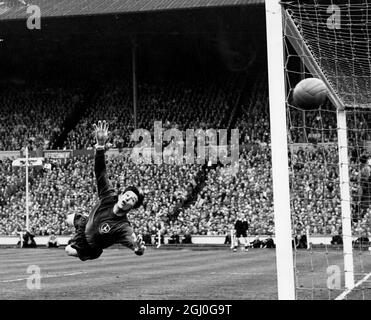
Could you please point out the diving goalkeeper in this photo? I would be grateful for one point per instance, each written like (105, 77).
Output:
(107, 223)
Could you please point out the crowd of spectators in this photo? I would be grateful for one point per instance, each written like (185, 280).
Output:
(34, 116)
(177, 201)
(115, 106)
(244, 187)
(69, 186)
(181, 105)
(253, 119)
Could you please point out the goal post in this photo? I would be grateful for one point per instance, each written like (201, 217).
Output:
(280, 172)
(345, 199)
(295, 38)
(341, 58)
(293, 35)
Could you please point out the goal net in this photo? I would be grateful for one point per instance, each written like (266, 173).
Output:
(329, 147)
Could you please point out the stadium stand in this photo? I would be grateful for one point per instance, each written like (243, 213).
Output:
(34, 116)
(182, 199)
(197, 105)
(178, 198)
(69, 187)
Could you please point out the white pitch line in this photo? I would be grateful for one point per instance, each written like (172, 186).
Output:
(241, 273)
(44, 277)
(346, 292)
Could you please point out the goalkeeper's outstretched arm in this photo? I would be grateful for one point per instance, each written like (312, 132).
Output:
(100, 169)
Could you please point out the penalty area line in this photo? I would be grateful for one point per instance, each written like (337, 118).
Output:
(346, 292)
(44, 277)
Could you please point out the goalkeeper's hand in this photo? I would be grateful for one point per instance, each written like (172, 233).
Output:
(101, 134)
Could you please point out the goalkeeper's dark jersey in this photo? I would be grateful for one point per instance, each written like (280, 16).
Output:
(104, 228)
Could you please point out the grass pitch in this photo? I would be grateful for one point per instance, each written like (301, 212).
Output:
(160, 274)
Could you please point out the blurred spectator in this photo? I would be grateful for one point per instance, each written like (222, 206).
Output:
(300, 241)
(29, 240)
(241, 226)
(174, 238)
(52, 241)
(147, 238)
(256, 243)
(269, 243)
(362, 241)
(228, 239)
(187, 238)
(336, 239)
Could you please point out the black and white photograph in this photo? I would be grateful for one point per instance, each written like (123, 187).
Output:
(186, 154)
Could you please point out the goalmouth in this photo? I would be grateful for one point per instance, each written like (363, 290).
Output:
(318, 38)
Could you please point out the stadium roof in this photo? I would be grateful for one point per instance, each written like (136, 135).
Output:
(17, 9)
